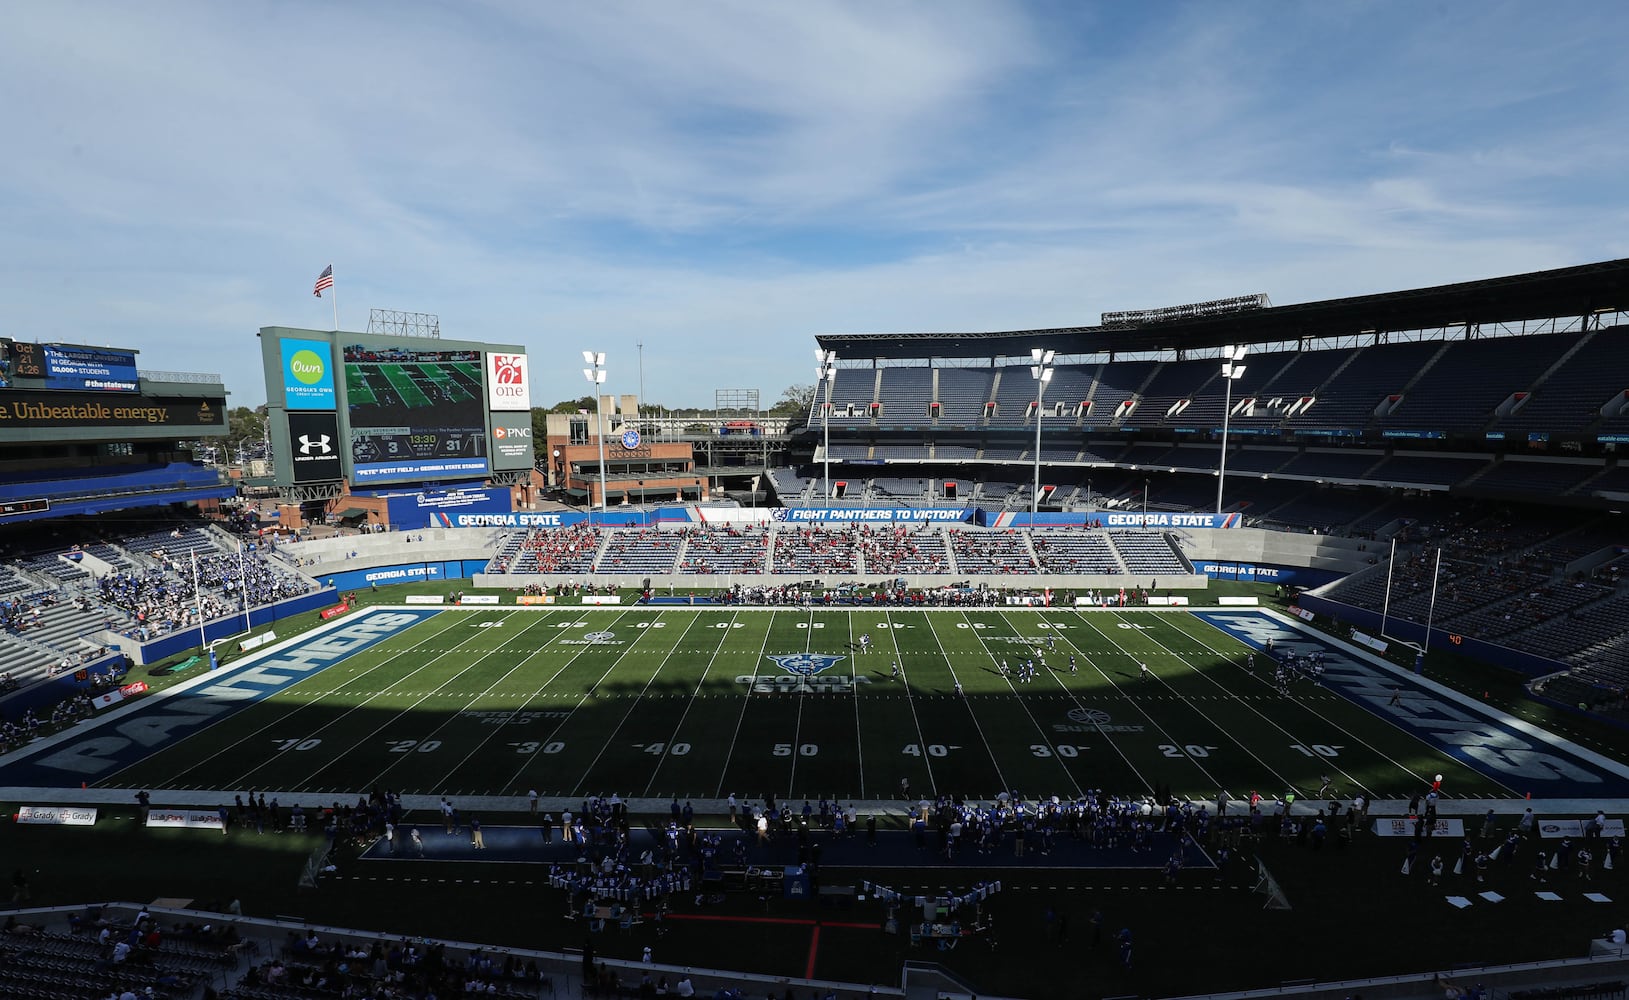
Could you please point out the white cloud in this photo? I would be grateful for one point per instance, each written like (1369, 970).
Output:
(724, 180)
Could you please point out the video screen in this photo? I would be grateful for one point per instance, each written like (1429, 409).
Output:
(415, 413)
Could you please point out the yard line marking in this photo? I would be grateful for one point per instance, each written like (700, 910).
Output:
(633, 703)
(1018, 697)
(472, 700)
(854, 685)
(1211, 778)
(970, 714)
(745, 701)
(581, 698)
(357, 744)
(289, 712)
(1416, 736)
(1326, 762)
(921, 738)
(678, 726)
(797, 725)
(1074, 699)
(1154, 636)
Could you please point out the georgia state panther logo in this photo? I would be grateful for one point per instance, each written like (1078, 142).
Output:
(1089, 716)
(315, 445)
(600, 636)
(806, 664)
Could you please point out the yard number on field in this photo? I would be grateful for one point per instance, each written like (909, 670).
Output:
(933, 749)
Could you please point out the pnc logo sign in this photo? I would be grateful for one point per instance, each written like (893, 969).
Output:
(519, 433)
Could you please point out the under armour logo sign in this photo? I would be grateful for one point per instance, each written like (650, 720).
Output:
(315, 445)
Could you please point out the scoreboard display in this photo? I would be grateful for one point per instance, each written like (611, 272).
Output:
(415, 411)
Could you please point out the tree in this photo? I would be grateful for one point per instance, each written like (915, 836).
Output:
(242, 422)
(796, 399)
(574, 405)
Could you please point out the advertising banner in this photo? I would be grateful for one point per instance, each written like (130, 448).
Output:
(333, 612)
(851, 514)
(185, 819)
(512, 441)
(1154, 519)
(1363, 639)
(100, 369)
(57, 815)
(535, 599)
(107, 699)
(414, 413)
(314, 447)
(439, 509)
(507, 388)
(518, 520)
(479, 599)
(423, 599)
(37, 409)
(308, 374)
(1553, 829)
(1404, 827)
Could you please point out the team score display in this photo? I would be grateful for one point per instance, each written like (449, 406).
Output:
(310, 744)
(932, 749)
(803, 749)
(533, 746)
(406, 746)
(1318, 749)
(1194, 750)
(676, 749)
(1064, 750)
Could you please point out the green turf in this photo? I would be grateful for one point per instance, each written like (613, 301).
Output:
(688, 703)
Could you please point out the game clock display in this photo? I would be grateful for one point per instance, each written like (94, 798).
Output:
(389, 444)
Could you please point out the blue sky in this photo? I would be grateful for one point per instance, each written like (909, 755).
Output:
(724, 180)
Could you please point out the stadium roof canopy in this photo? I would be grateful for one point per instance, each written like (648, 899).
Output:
(1564, 292)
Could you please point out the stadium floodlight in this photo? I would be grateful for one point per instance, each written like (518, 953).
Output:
(826, 374)
(596, 378)
(1231, 370)
(1041, 372)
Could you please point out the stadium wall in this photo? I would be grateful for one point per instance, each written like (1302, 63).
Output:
(1337, 556)
(686, 582)
(357, 579)
(1441, 639)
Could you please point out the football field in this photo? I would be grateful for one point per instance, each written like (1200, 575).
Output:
(699, 704)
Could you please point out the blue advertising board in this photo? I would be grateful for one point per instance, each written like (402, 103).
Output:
(429, 468)
(435, 569)
(1300, 576)
(308, 374)
(101, 369)
(1157, 519)
(438, 510)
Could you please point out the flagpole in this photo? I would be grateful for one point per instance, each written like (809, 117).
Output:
(335, 296)
(243, 587)
(197, 600)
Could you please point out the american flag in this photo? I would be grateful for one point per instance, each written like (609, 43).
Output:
(324, 280)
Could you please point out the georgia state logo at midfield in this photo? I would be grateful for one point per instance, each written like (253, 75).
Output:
(805, 664)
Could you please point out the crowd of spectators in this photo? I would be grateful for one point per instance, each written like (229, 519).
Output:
(901, 549)
(725, 548)
(400, 970)
(558, 550)
(34, 723)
